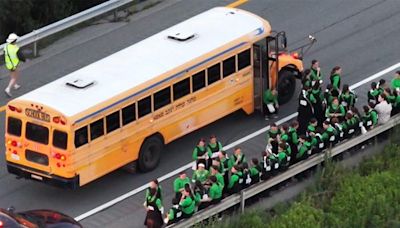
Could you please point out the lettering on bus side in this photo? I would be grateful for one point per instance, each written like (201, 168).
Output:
(176, 107)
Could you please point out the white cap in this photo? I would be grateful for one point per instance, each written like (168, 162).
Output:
(12, 37)
(201, 165)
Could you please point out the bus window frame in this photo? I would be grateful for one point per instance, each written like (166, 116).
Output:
(170, 97)
(52, 138)
(204, 71)
(119, 121)
(90, 129)
(235, 56)
(151, 106)
(87, 136)
(220, 73)
(135, 104)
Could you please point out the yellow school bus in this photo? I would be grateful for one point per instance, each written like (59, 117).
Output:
(122, 110)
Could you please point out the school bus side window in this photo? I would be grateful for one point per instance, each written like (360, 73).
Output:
(181, 88)
(229, 66)
(96, 129)
(214, 73)
(60, 139)
(162, 98)
(112, 121)
(244, 59)
(81, 136)
(144, 106)
(199, 80)
(14, 126)
(128, 114)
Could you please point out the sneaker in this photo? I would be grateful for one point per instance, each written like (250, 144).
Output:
(8, 92)
(16, 86)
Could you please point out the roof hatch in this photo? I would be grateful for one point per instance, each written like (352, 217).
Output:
(80, 83)
(181, 36)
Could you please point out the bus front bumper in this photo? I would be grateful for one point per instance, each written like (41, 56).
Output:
(37, 175)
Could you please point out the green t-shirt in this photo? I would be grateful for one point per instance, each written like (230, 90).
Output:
(220, 179)
(215, 191)
(304, 148)
(198, 150)
(335, 81)
(339, 109)
(395, 83)
(187, 205)
(180, 183)
(314, 75)
(200, 175)
(269, 98)
(234, 179)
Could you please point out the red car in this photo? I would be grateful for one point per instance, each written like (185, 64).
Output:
(36, 219)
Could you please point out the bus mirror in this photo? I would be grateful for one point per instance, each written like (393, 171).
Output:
(283, 42)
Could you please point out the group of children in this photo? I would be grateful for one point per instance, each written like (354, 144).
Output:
(332, 117)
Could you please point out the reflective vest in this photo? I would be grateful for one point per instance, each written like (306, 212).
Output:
(11, 58)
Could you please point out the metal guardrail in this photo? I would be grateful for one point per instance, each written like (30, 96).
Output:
(291, 172)
(36, 35)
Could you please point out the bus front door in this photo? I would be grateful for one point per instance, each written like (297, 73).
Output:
(261, 79)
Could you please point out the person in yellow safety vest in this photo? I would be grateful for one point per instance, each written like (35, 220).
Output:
(12, 57)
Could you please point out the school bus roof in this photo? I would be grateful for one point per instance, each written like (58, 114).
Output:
(119, 73)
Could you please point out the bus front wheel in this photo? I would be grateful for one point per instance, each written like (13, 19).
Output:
(286, 86)
(150, 153)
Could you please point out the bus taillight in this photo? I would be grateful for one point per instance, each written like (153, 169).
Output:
(14, 109)
(13, 143)
(59, 156)
(58, 119)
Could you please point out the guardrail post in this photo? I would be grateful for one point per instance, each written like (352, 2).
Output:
(242, 201)
(35, 51)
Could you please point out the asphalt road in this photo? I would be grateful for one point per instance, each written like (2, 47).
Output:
(359, 35)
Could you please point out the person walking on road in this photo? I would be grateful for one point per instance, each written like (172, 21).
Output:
(13, 56)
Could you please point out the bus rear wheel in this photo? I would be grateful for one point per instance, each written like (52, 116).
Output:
(286, 86)
(150, 154)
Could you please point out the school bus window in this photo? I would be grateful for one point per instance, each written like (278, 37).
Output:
(37, 133)
(214, 73)
(81, 136)
(14, 126)
(128, 114)
(199, 80)
(244, 59)
(144, 106)
(162, 98)
(112, 121)
(60, 139)
(96, 129)
(229, 66)
(181, 88)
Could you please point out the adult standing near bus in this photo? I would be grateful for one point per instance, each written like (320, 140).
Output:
(201, 153)
(335, 80)
(154, 207)
(12, 56)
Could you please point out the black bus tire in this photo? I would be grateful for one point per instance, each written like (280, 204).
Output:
(150, 153)
(286, 86)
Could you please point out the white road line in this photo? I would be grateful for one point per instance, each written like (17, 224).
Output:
(227, 147)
